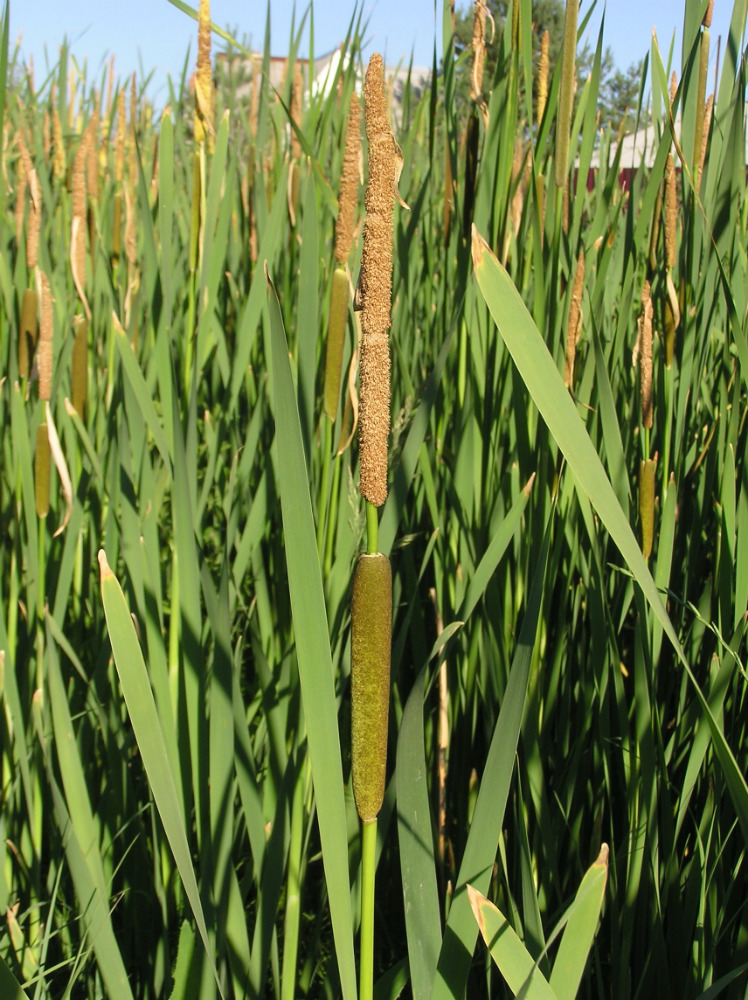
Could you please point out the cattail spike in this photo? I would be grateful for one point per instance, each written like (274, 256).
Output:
(371, 640)
(645, 357)
(376, 287)
(348, 183)
(45, 337)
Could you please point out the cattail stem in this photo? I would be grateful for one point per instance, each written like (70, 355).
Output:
(332, 516)
(372, 529)
(368, 870)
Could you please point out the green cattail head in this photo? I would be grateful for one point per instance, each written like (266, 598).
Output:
(566, 96)
(647, 503)
(699, 136)
(80, 366)
(371, 640)
(27, 332)
(41, 471)
(335, 340)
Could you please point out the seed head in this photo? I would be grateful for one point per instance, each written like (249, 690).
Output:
(375, 285)
(348, 183)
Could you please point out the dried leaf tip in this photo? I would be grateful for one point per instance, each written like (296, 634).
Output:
(479, 49)
(479, 247)
(104, 567)
(541, 96)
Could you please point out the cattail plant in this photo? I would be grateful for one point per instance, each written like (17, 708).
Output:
(339, 299)
(372, 585)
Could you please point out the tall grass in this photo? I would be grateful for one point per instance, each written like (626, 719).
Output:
(568, 654)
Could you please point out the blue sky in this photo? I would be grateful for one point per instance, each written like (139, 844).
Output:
(158, 34)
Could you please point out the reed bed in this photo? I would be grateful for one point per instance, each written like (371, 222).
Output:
(558, 496)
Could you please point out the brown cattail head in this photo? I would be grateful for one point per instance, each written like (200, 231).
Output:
(479, 49)
(671, 211)
(541, 91)
(31, 182)
(375, 285)
(371, 641)
(673, 87)
(45, 336)
(707, 22)
(348, 183)
(574, 324)
(204, 96)
(645, 356)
